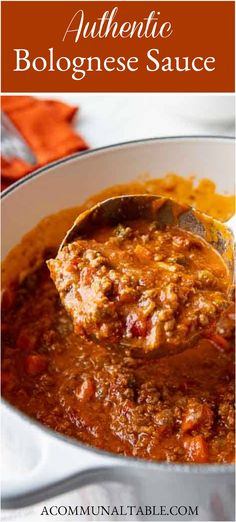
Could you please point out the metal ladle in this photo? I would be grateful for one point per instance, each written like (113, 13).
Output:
(164, 211)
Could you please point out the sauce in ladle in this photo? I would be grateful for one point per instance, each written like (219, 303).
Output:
(147, 283)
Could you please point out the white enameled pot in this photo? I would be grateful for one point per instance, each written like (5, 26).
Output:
(48, 464)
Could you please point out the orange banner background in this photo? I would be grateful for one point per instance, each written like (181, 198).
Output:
(200, 29)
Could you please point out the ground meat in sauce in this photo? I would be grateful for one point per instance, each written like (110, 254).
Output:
(140, 286)
(176, 409)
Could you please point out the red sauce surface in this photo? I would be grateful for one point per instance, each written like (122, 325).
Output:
(177, 409)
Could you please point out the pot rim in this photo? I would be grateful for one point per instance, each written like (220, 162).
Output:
(98, 150)
(132, 461)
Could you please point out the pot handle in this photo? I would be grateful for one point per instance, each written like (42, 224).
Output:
(110, 476)
(38, 464)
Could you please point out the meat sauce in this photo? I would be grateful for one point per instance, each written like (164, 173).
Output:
(140, 286)
(179, 408)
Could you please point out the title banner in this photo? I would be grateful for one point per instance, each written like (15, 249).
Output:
(118, 46)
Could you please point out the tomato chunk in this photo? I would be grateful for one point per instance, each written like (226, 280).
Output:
(35, 364)
(196, 415)
(135, 325)
(86, 390)
(196, 449)
(220, 341)
(86, 276)
(8, 298)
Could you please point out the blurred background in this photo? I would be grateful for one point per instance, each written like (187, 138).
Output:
(104, 119)
(38, 130)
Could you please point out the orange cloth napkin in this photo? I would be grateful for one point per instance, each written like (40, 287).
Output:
(46, 127)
